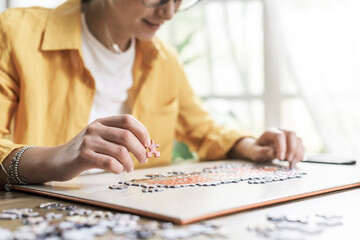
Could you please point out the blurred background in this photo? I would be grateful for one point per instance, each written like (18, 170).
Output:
(293, 64)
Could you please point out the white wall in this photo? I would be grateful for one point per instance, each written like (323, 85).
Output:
(2, 5)
(28, 3)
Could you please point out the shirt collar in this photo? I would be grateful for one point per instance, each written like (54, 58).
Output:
(63, 28)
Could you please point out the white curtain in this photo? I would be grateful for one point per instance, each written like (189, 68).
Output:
(317, 44)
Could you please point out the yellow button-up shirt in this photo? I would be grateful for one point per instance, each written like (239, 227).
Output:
(46, 91)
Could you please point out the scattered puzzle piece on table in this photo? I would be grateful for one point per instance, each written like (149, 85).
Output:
(294, 227)
(152, 152)
(90, 224)
(50, 205)
(22, 212)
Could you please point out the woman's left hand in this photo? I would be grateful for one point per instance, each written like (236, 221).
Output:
(273, 143)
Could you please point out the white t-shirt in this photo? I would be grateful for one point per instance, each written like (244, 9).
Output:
(112, 73)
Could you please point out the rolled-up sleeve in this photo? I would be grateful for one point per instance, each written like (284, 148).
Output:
(9, 89)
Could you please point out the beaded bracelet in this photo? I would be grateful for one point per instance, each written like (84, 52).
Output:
(13, 170)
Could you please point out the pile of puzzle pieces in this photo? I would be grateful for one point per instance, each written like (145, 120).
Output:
(291, 227)
(53, 221)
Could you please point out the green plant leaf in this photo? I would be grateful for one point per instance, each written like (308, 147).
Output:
(185, 43)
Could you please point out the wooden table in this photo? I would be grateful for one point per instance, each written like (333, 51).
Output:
(345, 202)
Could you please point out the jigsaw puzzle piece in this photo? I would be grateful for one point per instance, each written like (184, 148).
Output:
(152, 152)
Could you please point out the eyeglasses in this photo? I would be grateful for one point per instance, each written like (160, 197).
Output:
(179, 4)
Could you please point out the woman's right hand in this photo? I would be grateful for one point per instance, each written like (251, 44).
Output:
(105, 144)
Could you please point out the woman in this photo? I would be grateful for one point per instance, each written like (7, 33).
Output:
(88, 84)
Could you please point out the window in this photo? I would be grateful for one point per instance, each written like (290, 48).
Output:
(233, 68)
(228, 56)
(30, 3)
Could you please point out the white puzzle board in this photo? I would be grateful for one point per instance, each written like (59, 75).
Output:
(190, 204)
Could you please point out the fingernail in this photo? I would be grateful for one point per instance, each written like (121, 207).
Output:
(132, 169)
(290, 157)
(148, 142)
(282, 156)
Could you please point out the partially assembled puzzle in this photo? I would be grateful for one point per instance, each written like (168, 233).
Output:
(212, 176)
(197, 191)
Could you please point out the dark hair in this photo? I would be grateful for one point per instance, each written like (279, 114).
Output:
(85, 1)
